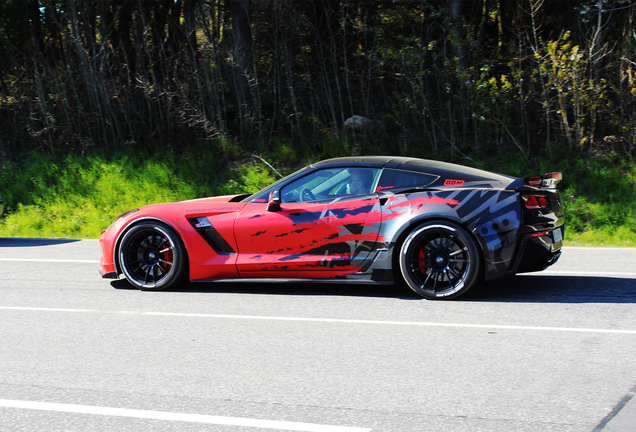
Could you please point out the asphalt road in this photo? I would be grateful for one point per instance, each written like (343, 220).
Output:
(552, 351)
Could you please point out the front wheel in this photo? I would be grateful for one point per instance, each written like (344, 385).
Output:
(152, 257)
(439, 260)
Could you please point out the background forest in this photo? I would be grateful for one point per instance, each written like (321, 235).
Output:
(106, 105)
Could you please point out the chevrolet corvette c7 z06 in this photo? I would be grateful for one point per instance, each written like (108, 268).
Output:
(441, 228)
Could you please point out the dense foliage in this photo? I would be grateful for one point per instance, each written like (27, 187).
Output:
(139, 92)
(465, 76)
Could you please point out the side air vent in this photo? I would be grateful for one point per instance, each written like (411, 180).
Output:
(211, 235)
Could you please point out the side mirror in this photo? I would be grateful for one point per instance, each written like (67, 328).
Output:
(273, 204)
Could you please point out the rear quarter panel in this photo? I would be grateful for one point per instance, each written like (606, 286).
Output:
(491, 216)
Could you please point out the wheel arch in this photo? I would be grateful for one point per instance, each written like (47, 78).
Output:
(413, 224)
(128, 227)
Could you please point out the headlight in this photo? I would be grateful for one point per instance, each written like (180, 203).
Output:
(123, 215)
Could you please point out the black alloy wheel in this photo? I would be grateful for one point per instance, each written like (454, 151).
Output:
(151, 256)
(439, 260)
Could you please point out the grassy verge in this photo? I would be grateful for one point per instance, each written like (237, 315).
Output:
(76, 197)
(599, 194)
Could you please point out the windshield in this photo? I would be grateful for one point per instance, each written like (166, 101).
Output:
(264, 193)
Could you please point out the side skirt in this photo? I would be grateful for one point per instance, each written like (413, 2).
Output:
(297, 280)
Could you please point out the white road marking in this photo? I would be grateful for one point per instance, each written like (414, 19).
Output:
(190, 418)
(399, 323)
(338, 320)
(627, 275)
(601, 248)
(49, 260)
(45, 309)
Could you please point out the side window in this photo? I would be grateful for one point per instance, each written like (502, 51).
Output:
(399, 179)
(361, 181)
(314, 186)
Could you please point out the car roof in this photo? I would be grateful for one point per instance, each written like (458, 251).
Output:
(443, 169)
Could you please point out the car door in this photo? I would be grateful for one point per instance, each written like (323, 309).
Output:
(319, 230)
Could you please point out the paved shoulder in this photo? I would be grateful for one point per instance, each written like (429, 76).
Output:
(49, 249)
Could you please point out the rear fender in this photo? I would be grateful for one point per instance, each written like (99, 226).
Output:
(491, 216)
(405, 229)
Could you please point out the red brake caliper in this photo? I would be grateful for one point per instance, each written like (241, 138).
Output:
(167, 256)
(422, 256)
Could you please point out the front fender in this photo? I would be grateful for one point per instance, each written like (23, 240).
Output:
(130, 224)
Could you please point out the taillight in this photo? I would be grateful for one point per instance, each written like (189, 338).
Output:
(540, 234)
(532, 202)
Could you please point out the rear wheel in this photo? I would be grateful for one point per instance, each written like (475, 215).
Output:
(439, 260)
(152, 257)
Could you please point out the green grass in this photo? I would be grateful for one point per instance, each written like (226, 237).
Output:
(600, 199)
(599, 194)
(76, 196)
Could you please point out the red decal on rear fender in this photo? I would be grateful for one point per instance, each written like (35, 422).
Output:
(451, 182)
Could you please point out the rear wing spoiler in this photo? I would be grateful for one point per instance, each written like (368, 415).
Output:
(547, 181)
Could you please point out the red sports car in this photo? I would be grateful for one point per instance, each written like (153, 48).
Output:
(439, 227)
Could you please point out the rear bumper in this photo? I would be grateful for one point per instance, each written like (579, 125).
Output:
(537, 251)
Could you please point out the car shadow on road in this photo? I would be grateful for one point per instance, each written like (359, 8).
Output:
(291, 288)
(529, 288)
(537, 288)
(29, 242)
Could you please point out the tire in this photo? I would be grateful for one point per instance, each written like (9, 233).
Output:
(439, 260)
(152, 257)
